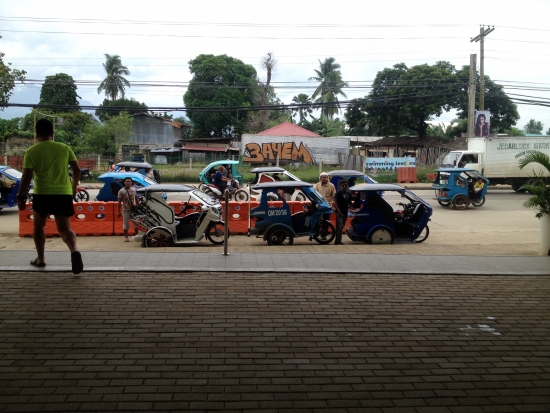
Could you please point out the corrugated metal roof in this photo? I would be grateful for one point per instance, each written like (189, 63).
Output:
(288, 129)
(204, 148)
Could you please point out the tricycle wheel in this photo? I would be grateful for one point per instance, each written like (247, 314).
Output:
(241, 195)
(158, 237)
(325, 232)
(423, 235)
(461, 202)
(280, 236)
(478, 202)
(215, 233)
(381, 236)
(443, 203)
(81, 196)
(301, 197)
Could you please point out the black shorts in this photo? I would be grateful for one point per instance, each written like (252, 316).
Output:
(45, 205)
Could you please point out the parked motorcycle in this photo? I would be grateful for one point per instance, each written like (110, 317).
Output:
(85, 173)
(81, 195)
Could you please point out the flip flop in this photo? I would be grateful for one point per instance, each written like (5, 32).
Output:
(35, 263)
(76, 262)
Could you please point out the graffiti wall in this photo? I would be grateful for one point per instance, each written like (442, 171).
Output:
(296, 149)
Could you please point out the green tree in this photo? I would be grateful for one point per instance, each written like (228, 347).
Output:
(105, 139)
(325, 126)
(60, 90)
(356, 119)
(111, 108)
(457, 128)
(436, 130)
(533, 127)
(514, 132)
(403, 99)
(330, 86)
(218, 82)
(305, 109)
(113, 85)
(504, 113)
(8, 77)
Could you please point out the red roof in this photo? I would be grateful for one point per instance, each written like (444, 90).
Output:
(204, 148)
(288, 129)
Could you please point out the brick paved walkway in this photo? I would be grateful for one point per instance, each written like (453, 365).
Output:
(275, 342)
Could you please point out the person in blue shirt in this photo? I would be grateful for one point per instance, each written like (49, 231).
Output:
(220, 180)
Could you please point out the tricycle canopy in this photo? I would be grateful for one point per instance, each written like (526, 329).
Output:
(190, 190)
(207, 174)
(348, 175)
(114, 182)
(134, 165)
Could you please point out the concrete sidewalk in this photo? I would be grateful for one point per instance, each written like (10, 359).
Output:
(154, 261)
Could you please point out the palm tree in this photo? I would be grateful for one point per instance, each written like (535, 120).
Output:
(305, 106)
(331, 85)
(114, 83)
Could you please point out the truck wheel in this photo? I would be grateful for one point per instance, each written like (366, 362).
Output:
(381, 236)
(280, 236)
(517, 185)
(461, 202)
(443, 203)
(478, 202)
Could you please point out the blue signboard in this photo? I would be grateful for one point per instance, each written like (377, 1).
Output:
(389, 163)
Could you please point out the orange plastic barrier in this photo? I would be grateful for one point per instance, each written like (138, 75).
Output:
(238, 216)
(93, 218)
(90, 218)
(26, 223)
(407, 175)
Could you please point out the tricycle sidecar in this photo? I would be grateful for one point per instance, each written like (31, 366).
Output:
(275, 174)
(114, 182)
(10, 180)
(376, 222)
(456, 188)
(160, 226)
(275, 223)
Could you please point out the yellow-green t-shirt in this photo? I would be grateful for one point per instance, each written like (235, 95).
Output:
(49, 161)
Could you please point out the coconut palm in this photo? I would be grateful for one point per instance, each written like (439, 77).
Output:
(305, 106)
(114, 83)
(539, 185)
(331, 84)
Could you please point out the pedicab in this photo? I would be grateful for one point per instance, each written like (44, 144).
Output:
(10, 179)
(160, 226)
(275, 174)
(140, 167)
(376, 222)
(275, 223)
(455, 188)
(114, 182)
(352, 177)
(206, 178)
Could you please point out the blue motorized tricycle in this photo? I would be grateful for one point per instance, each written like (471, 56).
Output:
(275, 223)
(9, 186)
(375, 221)
(206, 178)
(114, 182)
(460, 187)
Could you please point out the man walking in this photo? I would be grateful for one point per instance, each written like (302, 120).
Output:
(341, 204)
(47, 162)
(327, 191)
(127, 198)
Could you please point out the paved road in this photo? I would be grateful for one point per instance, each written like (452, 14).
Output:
(277, 342)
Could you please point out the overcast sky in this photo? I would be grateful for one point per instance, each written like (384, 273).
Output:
(156, 40)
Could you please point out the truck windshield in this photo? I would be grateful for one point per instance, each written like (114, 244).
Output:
(450, 159)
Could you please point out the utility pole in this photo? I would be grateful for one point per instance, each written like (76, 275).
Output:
(481, 39)
(472, 95)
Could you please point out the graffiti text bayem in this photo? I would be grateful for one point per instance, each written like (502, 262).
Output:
(270, 151)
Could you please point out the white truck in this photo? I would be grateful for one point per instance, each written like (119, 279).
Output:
(497, 158)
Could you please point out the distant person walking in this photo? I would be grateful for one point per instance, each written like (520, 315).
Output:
(341, 204)
(127, 198)
(47, 162)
